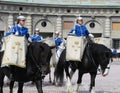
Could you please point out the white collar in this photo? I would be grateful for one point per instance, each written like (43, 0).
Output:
(20, 25)
(78, 24)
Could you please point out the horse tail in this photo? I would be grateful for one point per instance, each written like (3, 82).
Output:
(59, 69)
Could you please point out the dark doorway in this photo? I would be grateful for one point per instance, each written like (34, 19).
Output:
(97, 35)
(45, 35)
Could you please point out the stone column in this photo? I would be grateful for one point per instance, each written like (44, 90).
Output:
(10, 20)
(107, 27)
(59, 24)
(29, 23)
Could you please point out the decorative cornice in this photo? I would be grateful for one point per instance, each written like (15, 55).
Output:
(40, 10)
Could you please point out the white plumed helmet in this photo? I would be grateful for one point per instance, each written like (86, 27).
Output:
(21, 17)
(79, 18)
(56, 32)
(37, 29)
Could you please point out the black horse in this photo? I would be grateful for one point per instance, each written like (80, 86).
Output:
(94, 55)
(37, 66)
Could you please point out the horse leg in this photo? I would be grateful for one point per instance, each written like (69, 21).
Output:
(72, 72)
(2, 75)
(20, 87)
(8, 82)
(50, 77)
(39, 85)
(6, 71)
(58, 75)
(92, 83)
(79, 81)
(11, 86)
(68, 85)
(55, 79)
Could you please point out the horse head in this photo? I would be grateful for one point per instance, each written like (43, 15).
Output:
(45, 59)
(38, 56)
(106, 63)
(100, 55)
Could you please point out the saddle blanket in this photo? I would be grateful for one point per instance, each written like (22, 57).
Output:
(104, 41)
(75, 48)
(14, 51)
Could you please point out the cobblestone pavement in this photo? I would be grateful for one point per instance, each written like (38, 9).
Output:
(108, 84)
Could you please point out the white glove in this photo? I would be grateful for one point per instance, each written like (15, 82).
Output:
(73, 32)
(29, 39)
(91, 35)
(16, 33)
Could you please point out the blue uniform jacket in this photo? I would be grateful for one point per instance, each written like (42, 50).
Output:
(20, 31)
(36, 38)
(58, 41)
(80, 30)
(7, 34)
(114, 51)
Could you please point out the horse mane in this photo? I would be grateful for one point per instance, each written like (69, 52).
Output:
(49, 40)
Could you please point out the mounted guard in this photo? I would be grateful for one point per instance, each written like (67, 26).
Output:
(76, 41)
(36, 37)
(15, 45)
(60, 45)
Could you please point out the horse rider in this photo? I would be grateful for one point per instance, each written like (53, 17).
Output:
(19, 30)
(60, 45)
(114, 51)
(80, 29)
(58, 40)
(36, 37)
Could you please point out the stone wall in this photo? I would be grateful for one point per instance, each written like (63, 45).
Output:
(55, 15)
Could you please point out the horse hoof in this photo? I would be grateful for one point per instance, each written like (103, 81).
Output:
(53, 83)
(92, 90)
(50, 82)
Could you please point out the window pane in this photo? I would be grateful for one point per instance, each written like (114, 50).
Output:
(116, 26)
(116, 43)
(68, 25)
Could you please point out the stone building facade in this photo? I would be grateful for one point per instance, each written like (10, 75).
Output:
(100, 17)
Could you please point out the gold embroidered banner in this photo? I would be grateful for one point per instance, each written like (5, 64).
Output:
(14, 51)
(75, 48)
